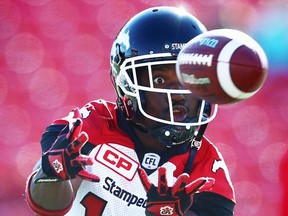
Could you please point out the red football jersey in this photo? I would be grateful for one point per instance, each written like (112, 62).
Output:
(120, 191)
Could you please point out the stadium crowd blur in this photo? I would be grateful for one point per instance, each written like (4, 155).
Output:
(54, 55)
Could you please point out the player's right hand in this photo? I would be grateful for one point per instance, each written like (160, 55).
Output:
(63, 160)
(175, 200)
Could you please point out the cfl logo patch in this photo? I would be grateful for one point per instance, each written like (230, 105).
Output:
(151, 161)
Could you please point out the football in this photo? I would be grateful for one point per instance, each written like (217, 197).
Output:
(222, 66)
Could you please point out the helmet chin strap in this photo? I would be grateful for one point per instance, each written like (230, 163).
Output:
(168, 135)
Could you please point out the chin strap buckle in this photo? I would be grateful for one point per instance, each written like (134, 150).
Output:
(197, 140)
(196, 143)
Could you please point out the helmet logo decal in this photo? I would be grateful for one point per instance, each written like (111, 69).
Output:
(120, 48)
(174, 47)
(177, 46)
(125, 44)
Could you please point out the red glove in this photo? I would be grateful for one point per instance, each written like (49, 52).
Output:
(63, 160)
(175, 200)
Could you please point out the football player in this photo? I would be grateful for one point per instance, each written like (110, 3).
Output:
(146, 153)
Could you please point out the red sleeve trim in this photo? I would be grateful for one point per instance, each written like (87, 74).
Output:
(38, 209)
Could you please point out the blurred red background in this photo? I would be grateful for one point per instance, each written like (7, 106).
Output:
(54, 55)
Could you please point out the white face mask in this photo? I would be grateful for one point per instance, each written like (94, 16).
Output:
(131, 88)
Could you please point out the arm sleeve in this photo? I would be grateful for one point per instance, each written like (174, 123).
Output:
(212, 204)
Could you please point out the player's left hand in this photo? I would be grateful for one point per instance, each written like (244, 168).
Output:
(63, 161)
(175, 200)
